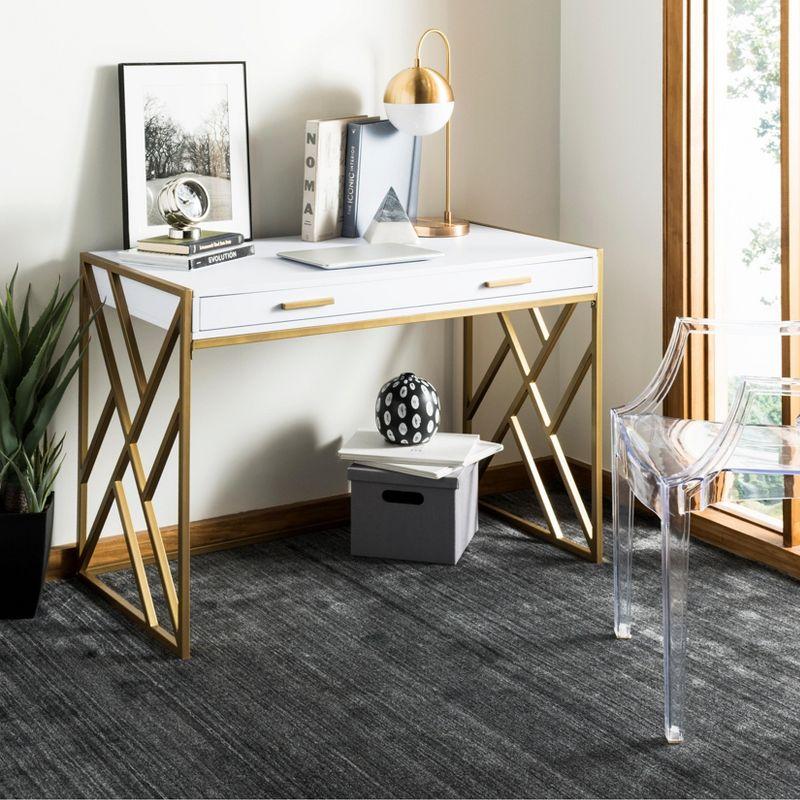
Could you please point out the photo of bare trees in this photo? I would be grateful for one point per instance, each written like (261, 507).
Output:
(187, 130)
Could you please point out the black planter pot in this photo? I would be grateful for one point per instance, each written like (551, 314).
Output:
(24, 549)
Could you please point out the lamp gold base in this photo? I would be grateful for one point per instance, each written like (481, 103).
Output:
(434, 227)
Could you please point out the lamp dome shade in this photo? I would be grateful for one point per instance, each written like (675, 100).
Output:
(419, 101)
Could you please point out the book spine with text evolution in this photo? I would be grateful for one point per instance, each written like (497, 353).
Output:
(208, 259)
(351, 179)
(308, 230)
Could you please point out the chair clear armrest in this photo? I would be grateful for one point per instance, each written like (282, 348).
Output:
(655, 391)
(717, 455)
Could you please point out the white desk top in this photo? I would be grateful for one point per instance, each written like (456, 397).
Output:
(484, 247)
(268, 297)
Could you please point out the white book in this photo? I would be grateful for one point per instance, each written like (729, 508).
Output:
(141, 258)
(480, 451)
(483, 450)
(323, 178)
(444, 449)
(419, 470)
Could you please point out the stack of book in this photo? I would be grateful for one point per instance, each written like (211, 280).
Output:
(350, 165)
(443, 455)
(162, 252)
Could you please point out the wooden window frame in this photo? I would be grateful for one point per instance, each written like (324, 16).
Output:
(688, 246)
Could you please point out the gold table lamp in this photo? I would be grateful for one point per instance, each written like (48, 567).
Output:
(419, 101)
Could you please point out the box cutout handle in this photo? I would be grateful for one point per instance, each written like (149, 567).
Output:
(404, 498)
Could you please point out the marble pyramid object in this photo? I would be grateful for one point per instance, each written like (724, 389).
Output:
(391, 224)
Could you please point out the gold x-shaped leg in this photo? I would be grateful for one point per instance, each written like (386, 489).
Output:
(176, 599)
(590, 522)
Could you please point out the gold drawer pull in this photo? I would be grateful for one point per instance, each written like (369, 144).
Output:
(315, 303)
(496, 284)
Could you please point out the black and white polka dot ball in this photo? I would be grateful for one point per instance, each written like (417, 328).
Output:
(407, 410)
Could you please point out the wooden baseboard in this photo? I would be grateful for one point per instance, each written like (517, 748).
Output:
(748, 540)
(502, 478)
(248, 527)
(728, 532)
(234, 530)
(216, 533)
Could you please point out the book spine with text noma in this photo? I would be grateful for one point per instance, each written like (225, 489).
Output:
(323, 179)
(309, 231)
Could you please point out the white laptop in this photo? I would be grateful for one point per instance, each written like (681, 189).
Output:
(360, 255)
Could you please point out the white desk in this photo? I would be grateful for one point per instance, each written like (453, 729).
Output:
(264, 297)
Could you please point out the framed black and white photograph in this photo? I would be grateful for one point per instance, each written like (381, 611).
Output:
(184, 119)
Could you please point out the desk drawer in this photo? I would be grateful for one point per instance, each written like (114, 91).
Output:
(407, 292)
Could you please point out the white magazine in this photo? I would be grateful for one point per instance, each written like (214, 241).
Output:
(444, 449)
(480, 451)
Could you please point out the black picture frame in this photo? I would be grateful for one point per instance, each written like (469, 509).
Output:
(131, 227)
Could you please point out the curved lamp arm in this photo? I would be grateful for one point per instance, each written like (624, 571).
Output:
(448, 213)
(446, 47)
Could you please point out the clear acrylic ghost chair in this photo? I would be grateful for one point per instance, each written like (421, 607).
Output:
(676, 466)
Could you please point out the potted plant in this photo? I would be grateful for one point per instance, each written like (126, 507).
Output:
(33, 379)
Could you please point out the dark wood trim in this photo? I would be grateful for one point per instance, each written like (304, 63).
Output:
(688, 245)
(716, 527)
(500, 478)
(749, 540)
(249, 527)
(63, 561)
(674, 188)
(217, 533)
(686, 197)
(790, 236)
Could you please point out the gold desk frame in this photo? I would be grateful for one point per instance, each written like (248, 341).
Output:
(176, 637)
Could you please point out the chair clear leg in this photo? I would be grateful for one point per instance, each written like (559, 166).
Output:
(622, 501)
(674, 579)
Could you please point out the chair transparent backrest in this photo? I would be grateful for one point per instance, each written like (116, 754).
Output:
(704, 456)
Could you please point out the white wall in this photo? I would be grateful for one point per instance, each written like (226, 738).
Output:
(506, 154)
(267, 418)
(610, 193)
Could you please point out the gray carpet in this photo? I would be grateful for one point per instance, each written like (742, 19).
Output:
(318, 675)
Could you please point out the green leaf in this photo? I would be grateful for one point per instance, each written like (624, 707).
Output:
(47, 407)
(49, 336)
(5, 466)
(49, 478)
(36, 473)
(24, 323)
(12, 357)
(25, 397)
(10, 286)
(10, 298)
(42, 325)
(9, 440)
(24, 481)
(59, 366)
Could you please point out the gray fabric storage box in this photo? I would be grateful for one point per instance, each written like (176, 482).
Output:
(405, 517)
